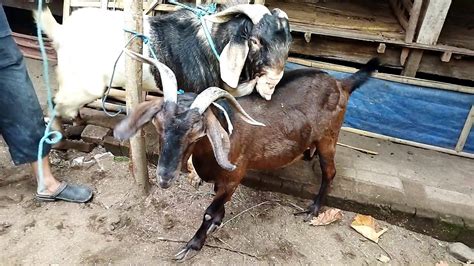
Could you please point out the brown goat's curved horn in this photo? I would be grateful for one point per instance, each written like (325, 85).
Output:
(168, 79)
(208, 96)
(255, 12)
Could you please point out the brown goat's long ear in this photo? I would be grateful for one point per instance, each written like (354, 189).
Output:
(232, 61)
(143, 113)
(219, 141)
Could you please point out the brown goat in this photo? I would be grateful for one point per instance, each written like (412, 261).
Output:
(304, 116)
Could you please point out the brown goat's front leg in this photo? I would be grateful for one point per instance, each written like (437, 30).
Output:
(326, 152)
(211, 220)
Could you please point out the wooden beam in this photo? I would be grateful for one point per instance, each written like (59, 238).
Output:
(412, 63)
(357, 35)
(446, 57)
(465, 131)
(381, 48)
(133, 11)
(407, 142)
(413, 21)
(433, 21)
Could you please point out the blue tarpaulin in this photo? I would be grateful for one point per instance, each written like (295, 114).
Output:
(426, 115)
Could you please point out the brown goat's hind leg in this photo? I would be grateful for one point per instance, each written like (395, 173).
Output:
(211, 220)
(326, 152)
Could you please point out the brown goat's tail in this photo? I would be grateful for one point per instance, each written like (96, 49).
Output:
(360, 77)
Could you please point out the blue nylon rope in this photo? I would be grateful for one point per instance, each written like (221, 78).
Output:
(50, 137)
(201, 12)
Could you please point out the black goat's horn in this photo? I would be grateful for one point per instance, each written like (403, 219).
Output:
(208, 96)
(168, 79)
(254, 11)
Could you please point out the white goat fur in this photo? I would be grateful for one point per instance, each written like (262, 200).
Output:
(87, 45)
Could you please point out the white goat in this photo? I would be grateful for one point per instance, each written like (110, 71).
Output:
(85, 65)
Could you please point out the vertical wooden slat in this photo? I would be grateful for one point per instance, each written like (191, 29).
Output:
(465, 131)
(431, 26)
(133, 73)
(413, 21)
(433, 21)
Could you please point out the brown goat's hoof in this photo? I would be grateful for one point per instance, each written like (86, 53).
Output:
(312, 212)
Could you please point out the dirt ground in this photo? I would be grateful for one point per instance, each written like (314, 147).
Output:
(121, 227)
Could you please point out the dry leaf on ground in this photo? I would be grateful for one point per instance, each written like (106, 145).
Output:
(383, 258)
(365, 225)
(442, 263)
(328, 216)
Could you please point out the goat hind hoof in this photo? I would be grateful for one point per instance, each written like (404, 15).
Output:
(182, 255)
(309, 215)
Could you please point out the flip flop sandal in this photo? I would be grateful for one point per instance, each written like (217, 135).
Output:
(68, 192)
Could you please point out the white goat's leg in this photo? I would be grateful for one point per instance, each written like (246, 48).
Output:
(192, 177)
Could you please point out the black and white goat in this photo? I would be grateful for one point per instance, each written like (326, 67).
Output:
(253, 43)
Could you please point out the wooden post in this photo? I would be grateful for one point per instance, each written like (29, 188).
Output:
(465, 131)
(133, 73)
(431, 26)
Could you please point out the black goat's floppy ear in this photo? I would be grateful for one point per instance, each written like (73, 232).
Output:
(219, 140)
(140, 116)
(232, 61)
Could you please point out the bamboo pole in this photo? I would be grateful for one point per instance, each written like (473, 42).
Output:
(133, 10)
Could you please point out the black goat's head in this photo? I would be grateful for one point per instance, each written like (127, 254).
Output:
(180, 125)
(261, 47)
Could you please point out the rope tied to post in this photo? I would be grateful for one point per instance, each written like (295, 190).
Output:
(146, 40)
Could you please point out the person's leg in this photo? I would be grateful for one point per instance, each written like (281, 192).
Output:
(50, 183)
(22, 124)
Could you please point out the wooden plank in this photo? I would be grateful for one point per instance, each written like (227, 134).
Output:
(461, 68)
(446, 57)
(399, 10)
(413, 21)
(352, 51)
(133, 73)
(370, 38)
(99, 118)
(465, 131)
(407, 142)
(433, 21)
(385, 76)
(413, 63)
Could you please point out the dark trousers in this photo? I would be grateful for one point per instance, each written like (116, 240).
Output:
(21, 118)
